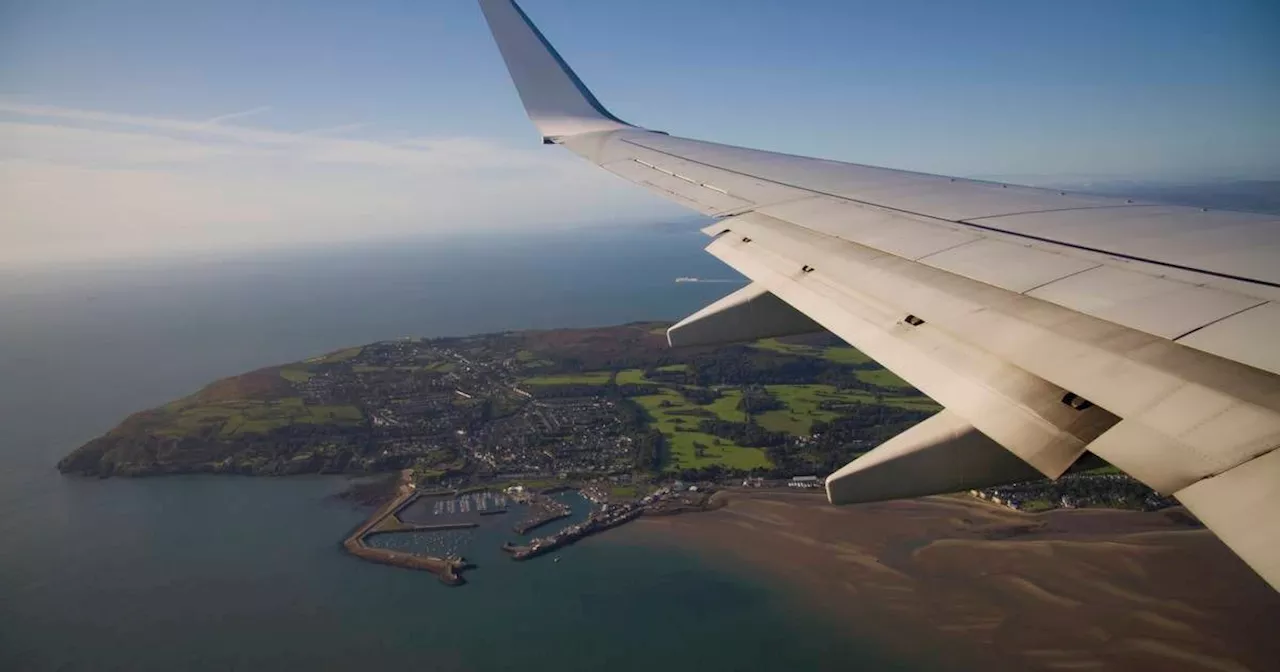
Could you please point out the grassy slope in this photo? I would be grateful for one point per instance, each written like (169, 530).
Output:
(228, 419)
(254, 403)
(337, 356)
(295, 374)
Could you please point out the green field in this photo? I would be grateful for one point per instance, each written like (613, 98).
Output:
(1035, 505)
(680, 444)
(674, 367)
(727, 406)
(530, 360)
(295, 375)
(632, 377)
(838, 354)
(845, 355)
(237, 418)
(787, 348)
(802, 406)
(587, 378)
(336, 357)
(912, 403)
(883, 378)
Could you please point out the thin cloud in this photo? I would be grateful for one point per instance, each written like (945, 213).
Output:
(78, 183)
(230, 132)
(320, 148)
(237, 115)
(337, 130)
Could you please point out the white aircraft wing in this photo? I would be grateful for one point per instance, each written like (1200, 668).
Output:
(1047, 323)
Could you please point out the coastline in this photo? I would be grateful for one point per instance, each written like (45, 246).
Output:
(1084, 589)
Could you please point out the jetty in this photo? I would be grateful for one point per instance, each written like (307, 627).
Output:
(598, 522)
(543, 510)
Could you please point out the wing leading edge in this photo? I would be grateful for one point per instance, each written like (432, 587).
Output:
(1048, 324)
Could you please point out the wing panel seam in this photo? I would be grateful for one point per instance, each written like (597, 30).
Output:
(1220, 319)
(993, 229)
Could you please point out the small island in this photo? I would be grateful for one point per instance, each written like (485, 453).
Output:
(613, 412)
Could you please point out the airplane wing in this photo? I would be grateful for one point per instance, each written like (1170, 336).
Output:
(1047, 323)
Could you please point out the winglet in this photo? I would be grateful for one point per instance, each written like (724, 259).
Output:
(557, 101)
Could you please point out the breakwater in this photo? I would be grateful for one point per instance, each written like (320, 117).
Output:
(384, 521)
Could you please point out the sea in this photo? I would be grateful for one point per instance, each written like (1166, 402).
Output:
(226, 572)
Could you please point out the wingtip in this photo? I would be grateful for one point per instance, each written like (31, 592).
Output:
(557, 101)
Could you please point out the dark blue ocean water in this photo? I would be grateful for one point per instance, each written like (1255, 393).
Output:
(243, 573)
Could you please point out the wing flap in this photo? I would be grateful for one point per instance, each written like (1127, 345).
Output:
(1238, 506)
(941, 454)
(751, 312)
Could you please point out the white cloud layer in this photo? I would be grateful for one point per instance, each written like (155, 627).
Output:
(78, 183)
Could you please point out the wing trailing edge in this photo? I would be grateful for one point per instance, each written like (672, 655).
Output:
(942, 454)
(748, 314)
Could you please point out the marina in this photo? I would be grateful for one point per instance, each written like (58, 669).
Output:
(443, 508)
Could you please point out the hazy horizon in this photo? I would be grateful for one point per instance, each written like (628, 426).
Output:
(150, 128)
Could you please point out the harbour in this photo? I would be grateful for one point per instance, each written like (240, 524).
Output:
(413, 511)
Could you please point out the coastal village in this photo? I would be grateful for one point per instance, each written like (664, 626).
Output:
(481, 425)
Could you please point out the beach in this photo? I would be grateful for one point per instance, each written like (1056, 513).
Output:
(982, 586)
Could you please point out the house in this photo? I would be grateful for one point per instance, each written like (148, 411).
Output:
(805, 482)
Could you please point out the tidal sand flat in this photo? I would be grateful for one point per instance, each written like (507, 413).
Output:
(1083, 589)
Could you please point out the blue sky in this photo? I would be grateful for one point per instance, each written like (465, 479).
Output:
(143, 126)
